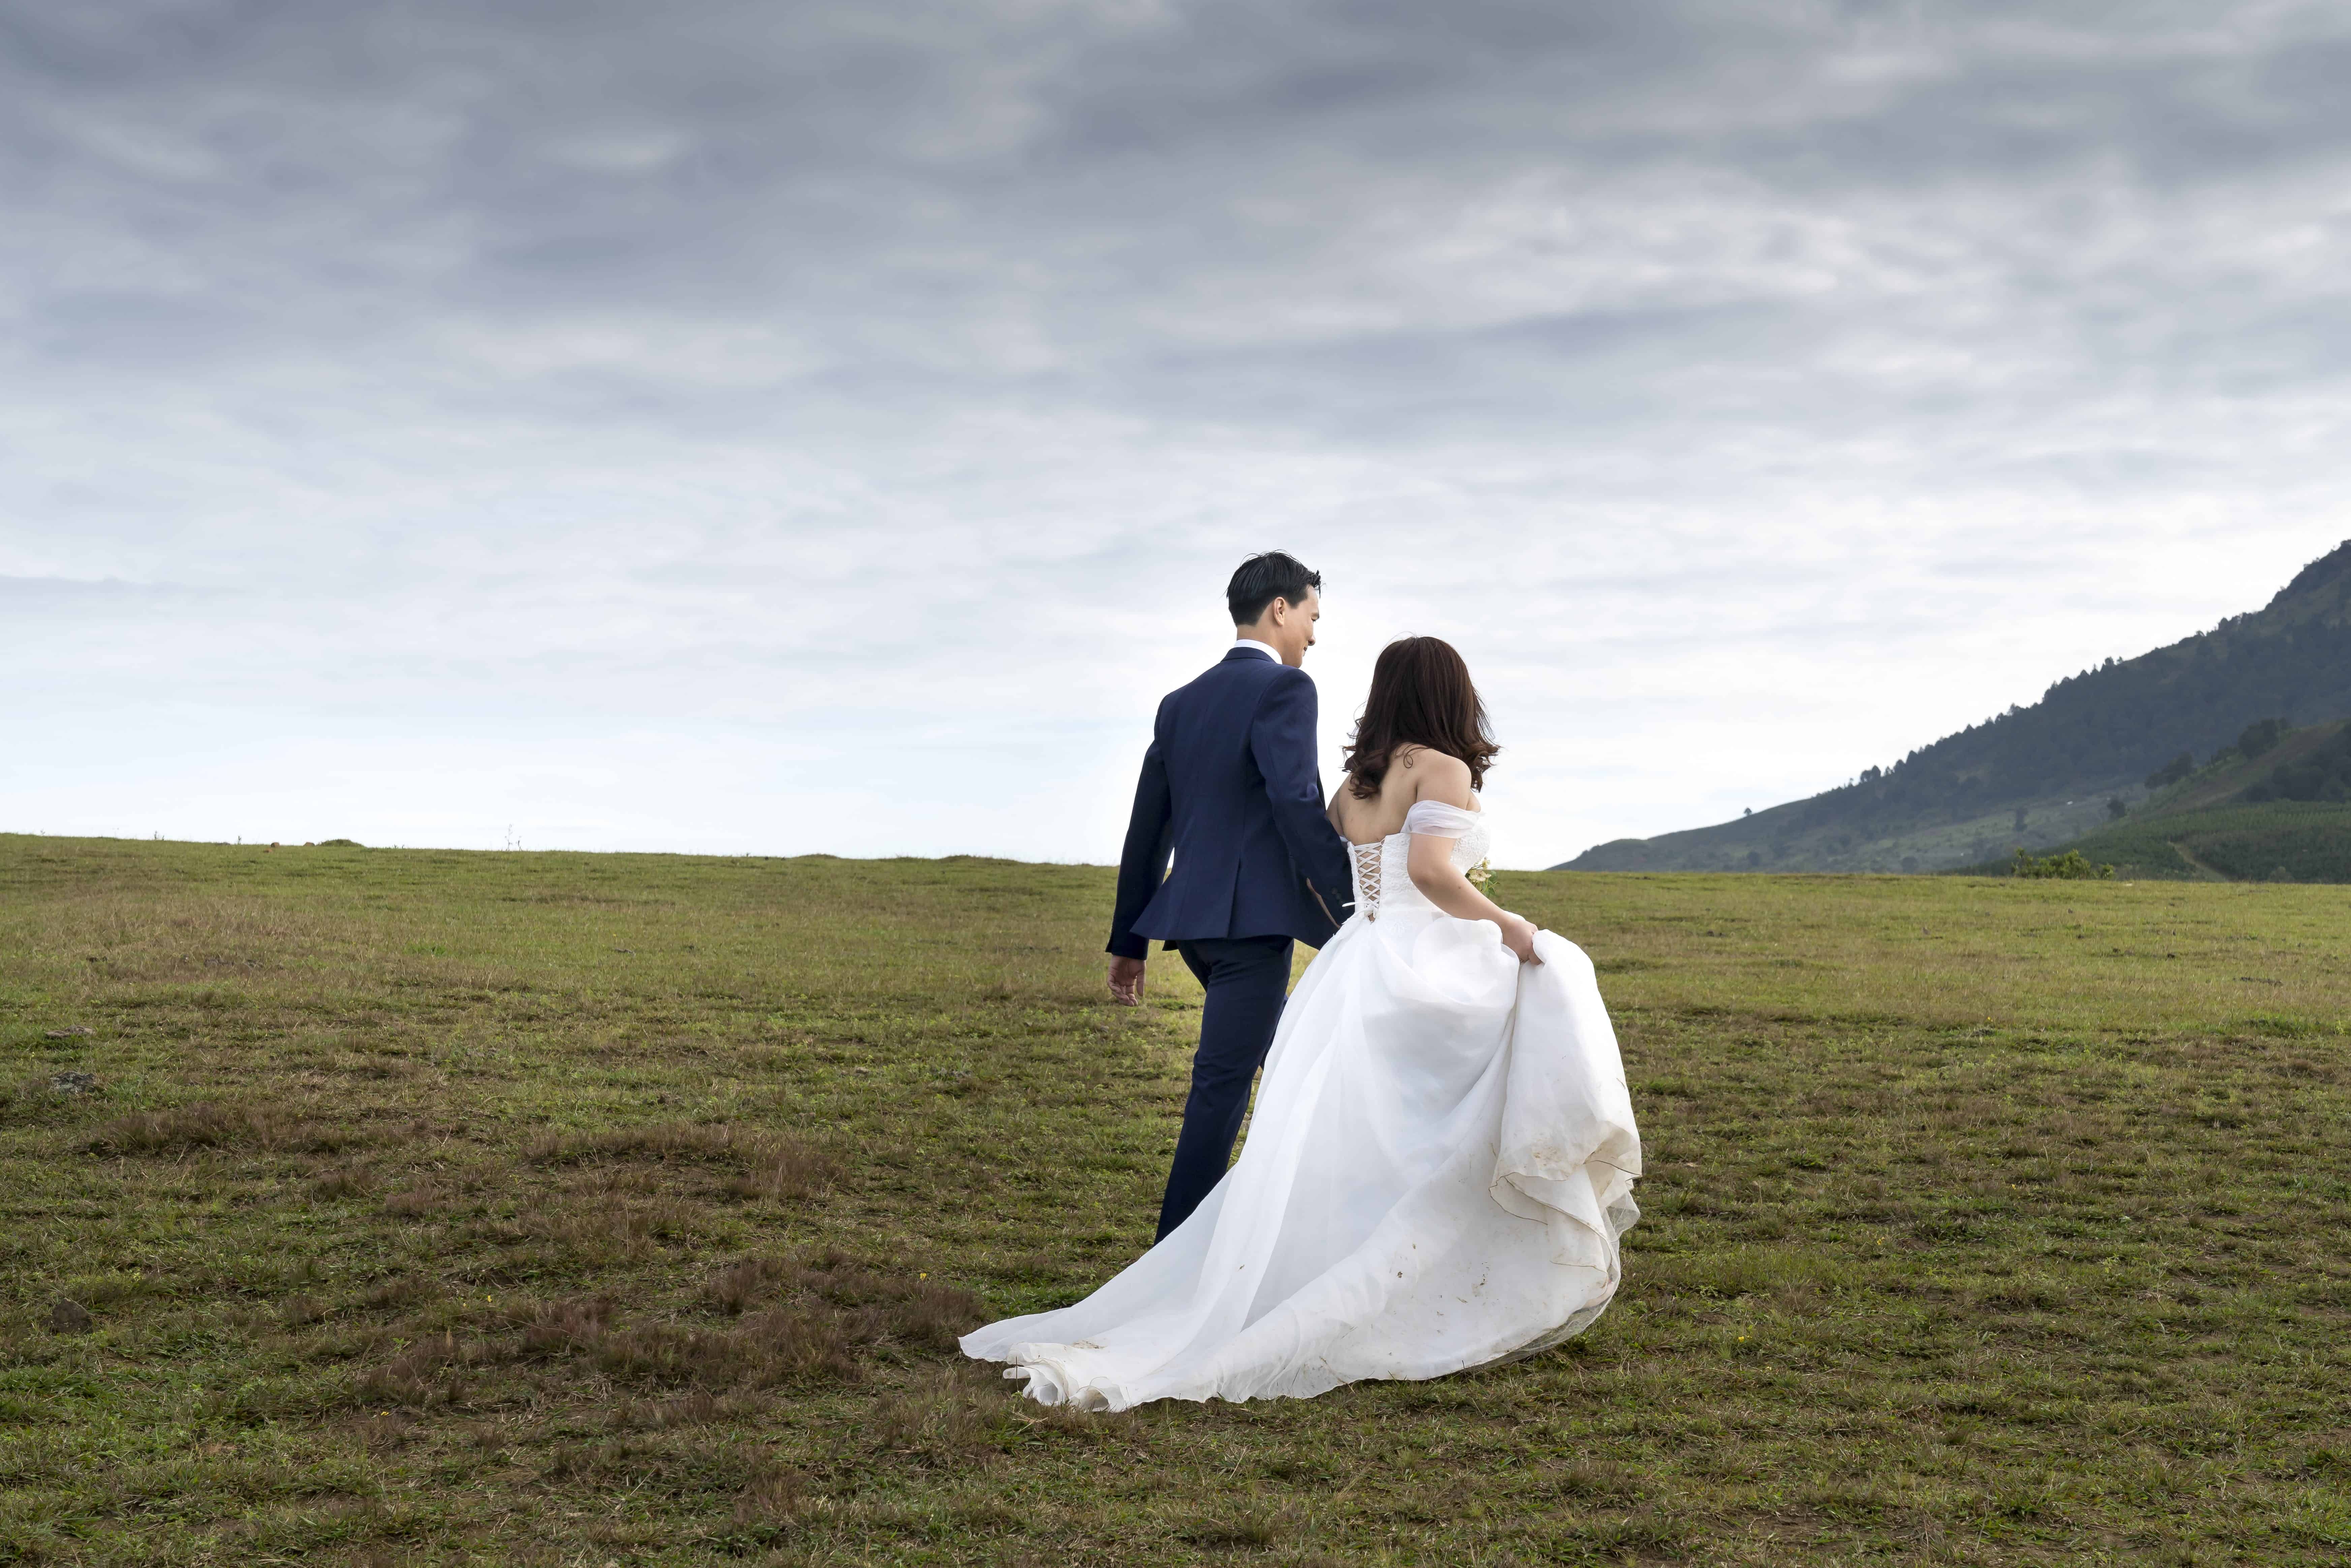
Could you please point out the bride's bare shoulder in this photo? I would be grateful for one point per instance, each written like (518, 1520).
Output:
(1438, 776)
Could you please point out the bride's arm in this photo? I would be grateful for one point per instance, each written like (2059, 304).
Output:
(1429, 860)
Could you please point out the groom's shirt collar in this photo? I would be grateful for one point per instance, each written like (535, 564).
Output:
(1254, 645)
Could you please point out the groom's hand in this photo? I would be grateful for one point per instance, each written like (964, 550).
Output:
(1126, 981)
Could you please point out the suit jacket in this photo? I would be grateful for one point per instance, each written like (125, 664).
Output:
(1230, 785)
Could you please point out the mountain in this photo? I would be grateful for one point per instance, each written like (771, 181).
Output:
(2040, 775)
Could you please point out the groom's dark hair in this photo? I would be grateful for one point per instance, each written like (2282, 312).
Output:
(1262, 579)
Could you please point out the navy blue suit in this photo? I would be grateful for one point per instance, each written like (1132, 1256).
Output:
(1229, 787)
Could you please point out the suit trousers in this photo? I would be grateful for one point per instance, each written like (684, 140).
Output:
(1247, 980)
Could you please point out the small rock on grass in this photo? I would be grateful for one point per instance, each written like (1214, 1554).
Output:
(69, 1316)
(70, 1084)
(72, 1032)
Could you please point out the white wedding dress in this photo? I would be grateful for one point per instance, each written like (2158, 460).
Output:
(1438, 1166)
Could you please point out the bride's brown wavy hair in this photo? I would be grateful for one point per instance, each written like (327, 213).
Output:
(1421, 695)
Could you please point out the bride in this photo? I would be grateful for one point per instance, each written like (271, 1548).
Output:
(1442, 1152)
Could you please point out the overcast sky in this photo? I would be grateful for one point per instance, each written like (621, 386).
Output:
(767, 427)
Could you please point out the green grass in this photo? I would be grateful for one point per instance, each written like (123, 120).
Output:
(567, 1209)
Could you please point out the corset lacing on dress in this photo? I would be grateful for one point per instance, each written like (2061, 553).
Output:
(1428, 819)
(1367, 877)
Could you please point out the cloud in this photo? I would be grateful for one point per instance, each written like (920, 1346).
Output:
(1756, 393)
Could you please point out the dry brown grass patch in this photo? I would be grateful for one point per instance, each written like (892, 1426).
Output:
(433, 1372)
(347, 1181)
(732, 1289)
(918, 1309)
(781, 1166)
(212, 1124)
(599, 1234)
(966, 1412)
(560, 1328)
(764, 1350)
(791, 1325)
(713, 1143)
(874, 1301)
(787, 1169)
(403, 1291)
(662, 1141)
(800, 1346)
(385, 1431)
(1248, 1527)
(1063, 1420)
(777, 1497)
(699, 1408)
(943, 1418)
(426, 1200)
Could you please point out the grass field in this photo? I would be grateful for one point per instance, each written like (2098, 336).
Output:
(568, 1209)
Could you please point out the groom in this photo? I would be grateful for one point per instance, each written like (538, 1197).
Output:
(1229, 784)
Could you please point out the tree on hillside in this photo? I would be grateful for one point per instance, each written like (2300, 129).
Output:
(2173, 771)
(2261, 735)
(2323, 775)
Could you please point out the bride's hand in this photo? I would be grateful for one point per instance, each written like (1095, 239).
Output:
(1519, 936)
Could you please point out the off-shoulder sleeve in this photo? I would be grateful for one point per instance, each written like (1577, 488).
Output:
(1435, 819)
